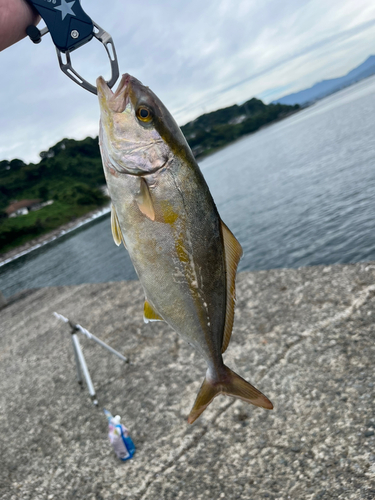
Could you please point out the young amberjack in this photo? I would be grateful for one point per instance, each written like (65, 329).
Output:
(162, 210)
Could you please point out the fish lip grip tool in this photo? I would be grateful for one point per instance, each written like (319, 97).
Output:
(70, 28)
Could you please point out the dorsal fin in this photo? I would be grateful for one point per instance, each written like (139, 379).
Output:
(233, 253)
(144, 201)
(115, 226)
(149, 314)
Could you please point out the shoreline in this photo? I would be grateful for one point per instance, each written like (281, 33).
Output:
(212, 151)
(38, 242)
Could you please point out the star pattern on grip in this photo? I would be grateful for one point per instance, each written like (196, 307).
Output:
(66, 8)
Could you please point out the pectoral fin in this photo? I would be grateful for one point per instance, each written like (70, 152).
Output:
(144, 201)
(149, 314)
(115, 226)
(233, 253)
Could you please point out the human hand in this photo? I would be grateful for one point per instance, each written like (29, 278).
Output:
(15, 17)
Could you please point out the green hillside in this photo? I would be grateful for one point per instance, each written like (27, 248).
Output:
(69, 173)
(214, 130)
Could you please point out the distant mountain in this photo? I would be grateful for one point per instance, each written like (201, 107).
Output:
(327, 87)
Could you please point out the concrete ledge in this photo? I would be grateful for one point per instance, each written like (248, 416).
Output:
(304, 337)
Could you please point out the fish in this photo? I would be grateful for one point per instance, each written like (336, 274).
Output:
(185, 256)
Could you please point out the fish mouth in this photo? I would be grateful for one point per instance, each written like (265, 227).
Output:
(118, 100)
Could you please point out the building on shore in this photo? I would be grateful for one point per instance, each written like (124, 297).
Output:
(23, 207)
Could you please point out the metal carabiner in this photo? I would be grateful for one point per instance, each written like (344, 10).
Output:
(70, 28)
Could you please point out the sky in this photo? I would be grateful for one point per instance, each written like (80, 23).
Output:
(197, 56)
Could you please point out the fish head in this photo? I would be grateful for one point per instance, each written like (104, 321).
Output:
(138, 135)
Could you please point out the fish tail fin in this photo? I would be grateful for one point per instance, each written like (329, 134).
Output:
(231, 384)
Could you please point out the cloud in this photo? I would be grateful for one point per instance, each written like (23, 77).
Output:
(196, 56)
(341, 36)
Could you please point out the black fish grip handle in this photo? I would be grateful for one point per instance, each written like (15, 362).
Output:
(70, 28)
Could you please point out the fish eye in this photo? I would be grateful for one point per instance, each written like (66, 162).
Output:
(144, 114)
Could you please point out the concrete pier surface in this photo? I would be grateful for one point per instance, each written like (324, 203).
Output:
(304, 337)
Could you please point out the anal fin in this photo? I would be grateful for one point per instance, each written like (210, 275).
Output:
(149, 314)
